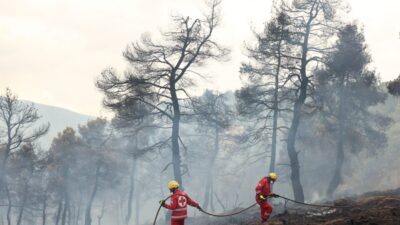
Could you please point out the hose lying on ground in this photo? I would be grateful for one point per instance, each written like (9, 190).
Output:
(231, 214)
(245, 209)
(207, 213)
(316, 205)
(324, 206)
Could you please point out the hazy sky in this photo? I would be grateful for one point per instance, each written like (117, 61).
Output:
(51, 51)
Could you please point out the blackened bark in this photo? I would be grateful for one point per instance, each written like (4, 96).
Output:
(88, 216)
(78, 216)
(337, 176)
(60, 204)
(291, 142)
(275, 108)
(131, 191)
(212, 207)
(9, 206)
(24, 198)
(293, 155)
(69, 214)
(208, 191)
(66, 207)
(176, 158)
(208, 196)
(137, 208)
(44, 208)
(297, 111)
(274, 137)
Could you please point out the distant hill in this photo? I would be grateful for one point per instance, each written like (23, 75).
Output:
(59, 119)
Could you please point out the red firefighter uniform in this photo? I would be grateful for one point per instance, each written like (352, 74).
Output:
(178, 205)
(264, 189)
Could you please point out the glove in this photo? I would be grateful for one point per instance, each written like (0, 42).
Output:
(199, 208)
(262, 197)
(273, 195)
(162, 202)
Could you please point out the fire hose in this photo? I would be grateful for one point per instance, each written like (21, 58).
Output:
(316, 205)
(225, 215)
(205, 212)
(251, 206)
(324, 206)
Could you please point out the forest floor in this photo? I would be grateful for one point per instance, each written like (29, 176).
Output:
(373, 208)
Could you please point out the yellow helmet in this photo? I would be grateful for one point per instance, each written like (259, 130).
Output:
(273, 176)
(173, 184)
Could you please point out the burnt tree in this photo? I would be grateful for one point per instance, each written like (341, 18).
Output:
(312, 24)
(214, 115)
(17, 120)
(348, 89)
(265, 94)
(163, 71)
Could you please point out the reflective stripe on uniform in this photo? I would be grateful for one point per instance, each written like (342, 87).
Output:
(178, 217)
(178, 210)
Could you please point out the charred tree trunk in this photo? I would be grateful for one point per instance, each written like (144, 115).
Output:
(78, 213)
(137, 208)
(69, 214)
(274, 137)
(65, 210)
(176, 158)
(3, 173)
(207, 192)
(44, 208)
(21, 210)
(297, 111)
(100, 217)
(337, 176)
(73, 215)
(131, 191)
(212, 207)
(276, 109)
(24, 198)
(60, 204)
(65, 196)
(9, 206)
(291, 142)
(118, 213)
(208, 196)
(88, 216)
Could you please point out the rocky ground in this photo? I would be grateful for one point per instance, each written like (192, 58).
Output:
(374, 208)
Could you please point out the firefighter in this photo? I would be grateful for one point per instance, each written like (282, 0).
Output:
(263, 191)
(178, 204)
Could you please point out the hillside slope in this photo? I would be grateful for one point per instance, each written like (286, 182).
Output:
(59, 119)
(374, 208)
